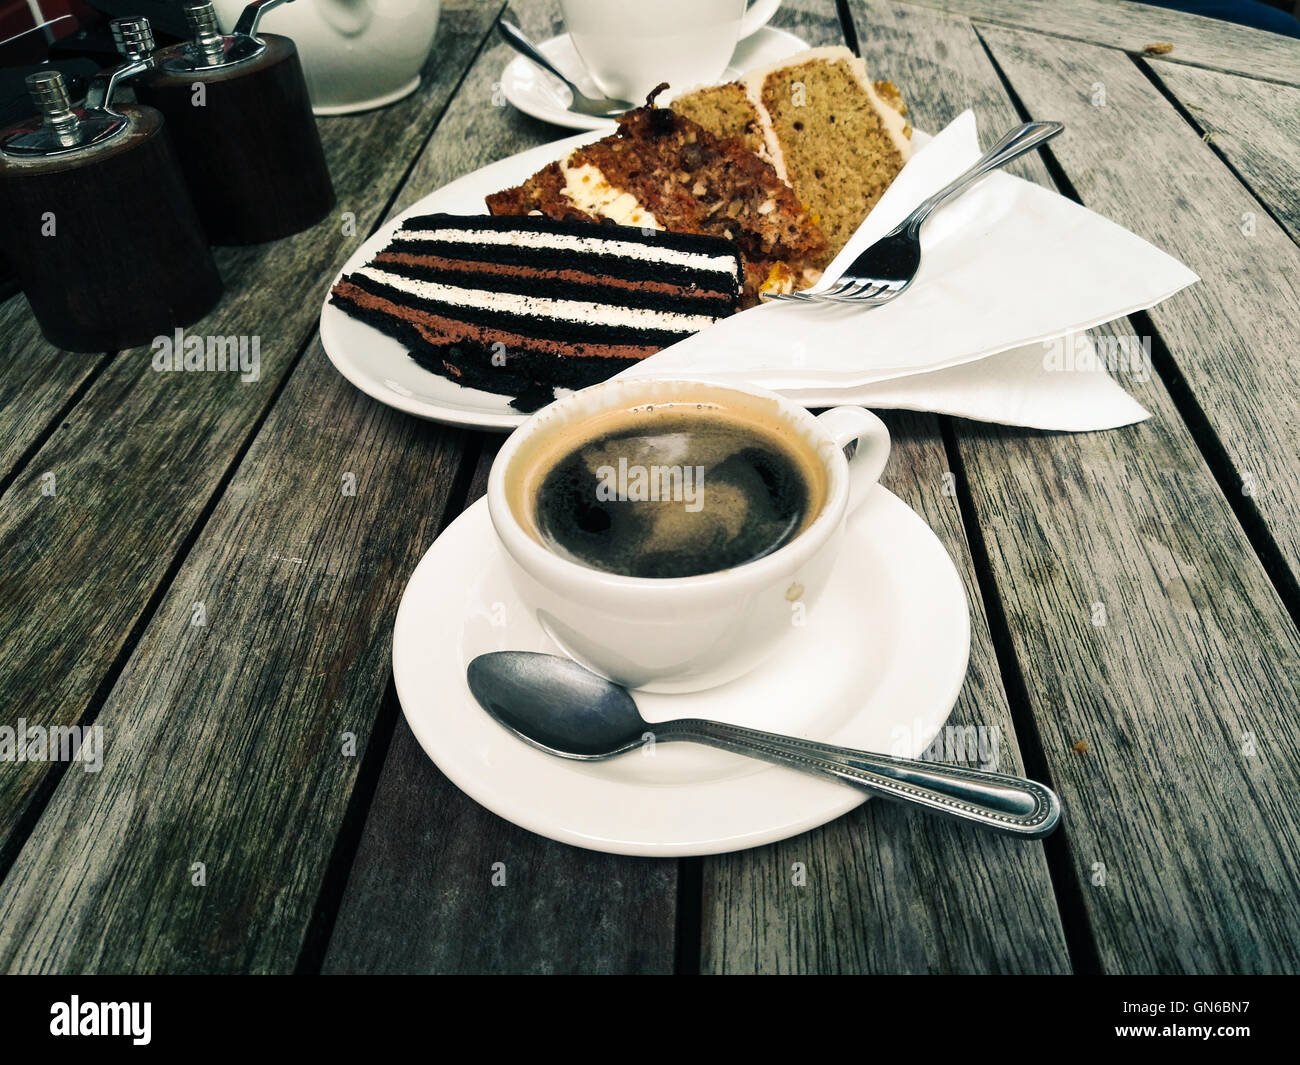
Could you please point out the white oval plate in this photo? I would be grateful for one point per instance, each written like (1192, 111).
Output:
(877, 666)
(381, 366)
(536, 92)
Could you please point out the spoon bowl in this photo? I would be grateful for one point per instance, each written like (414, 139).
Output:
(556, 705)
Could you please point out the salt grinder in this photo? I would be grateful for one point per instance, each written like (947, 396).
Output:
(238, 112)
(101, 231)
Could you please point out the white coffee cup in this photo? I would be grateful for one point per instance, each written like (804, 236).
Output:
(682, 634)
(630, 46)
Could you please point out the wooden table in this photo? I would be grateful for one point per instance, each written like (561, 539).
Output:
(201, 586)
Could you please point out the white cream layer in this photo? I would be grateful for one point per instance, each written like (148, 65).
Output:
(651, 253)
(588, 190)
(578, 311)
(771, 145)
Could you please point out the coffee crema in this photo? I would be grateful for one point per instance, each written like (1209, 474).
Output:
(672, 489)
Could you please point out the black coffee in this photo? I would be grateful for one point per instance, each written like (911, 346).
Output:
(675, 491)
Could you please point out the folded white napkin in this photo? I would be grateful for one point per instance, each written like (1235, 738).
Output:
(1011, 274)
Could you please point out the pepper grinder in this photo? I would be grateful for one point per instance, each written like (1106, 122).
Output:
(238, 112)
(102, 233)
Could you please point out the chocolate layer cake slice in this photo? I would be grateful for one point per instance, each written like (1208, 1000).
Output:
(523, 305)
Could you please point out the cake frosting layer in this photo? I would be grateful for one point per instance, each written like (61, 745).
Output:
(591, 192)
(502, 301)
(616, 245)
(571, 271)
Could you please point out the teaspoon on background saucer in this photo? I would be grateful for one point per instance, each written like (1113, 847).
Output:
(561, 708)
(600, 107)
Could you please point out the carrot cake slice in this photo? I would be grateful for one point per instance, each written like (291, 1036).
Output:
(837, 137)
(661, 170)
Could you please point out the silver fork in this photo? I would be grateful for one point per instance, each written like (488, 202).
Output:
(885, 269)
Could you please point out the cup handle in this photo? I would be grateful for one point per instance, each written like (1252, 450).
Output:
(857, 425)
(760, 11)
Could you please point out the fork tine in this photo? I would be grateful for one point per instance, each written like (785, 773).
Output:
(854, 290)
(874, 299)
(886, 292)
(853, 293)
(861, 289)
(812, 297)
(883, 296)
(871, 294)
(836, 290)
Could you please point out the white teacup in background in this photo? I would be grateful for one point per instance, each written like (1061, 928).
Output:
(682, 634)
(630, 46)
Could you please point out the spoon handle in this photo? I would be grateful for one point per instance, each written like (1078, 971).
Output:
(1009, 804)
(514, 37)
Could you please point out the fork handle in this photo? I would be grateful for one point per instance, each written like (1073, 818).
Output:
(1020, 140)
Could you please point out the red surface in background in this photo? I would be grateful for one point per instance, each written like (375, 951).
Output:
(16, 16)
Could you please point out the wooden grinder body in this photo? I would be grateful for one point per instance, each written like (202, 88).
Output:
(105, 240)
(247, 142)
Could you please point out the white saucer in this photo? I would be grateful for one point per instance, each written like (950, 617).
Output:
(535, 92)
(878, 665)
(369, 105)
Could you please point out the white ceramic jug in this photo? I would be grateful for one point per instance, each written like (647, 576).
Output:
(356, 54)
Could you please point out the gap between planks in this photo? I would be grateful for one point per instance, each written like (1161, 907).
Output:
(1183, 24)
(35, 807)
(325, 910)
(1207, 135)
(1080, 940)
(38, 441)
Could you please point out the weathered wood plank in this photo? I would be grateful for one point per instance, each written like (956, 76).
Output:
(419, 898)
(1255, 125)
(227, 741)
(1233, 336)
(1147, 629)
(144, 452)
(1198, 41)
(888, 889)
(1197, 837)
(37, 382)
